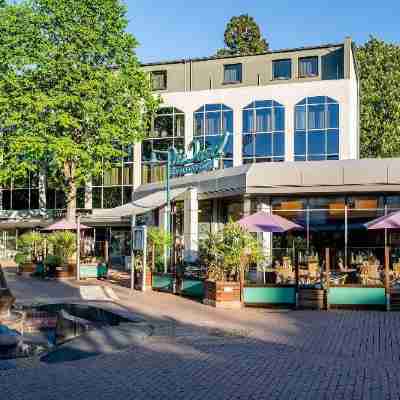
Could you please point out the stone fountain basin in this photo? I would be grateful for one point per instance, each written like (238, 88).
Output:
(69, 331)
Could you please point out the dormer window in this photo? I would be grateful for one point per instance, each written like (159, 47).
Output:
(232, 73)
(159, 80)
(308, 67)
(282, 69)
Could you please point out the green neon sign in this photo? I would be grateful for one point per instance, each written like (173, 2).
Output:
(201, 160)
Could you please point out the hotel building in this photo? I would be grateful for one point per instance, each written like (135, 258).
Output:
(292, 117)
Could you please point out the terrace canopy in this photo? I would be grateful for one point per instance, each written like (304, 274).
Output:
(264, 222)
(140, 206)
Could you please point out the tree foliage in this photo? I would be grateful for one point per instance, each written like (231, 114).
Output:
(30, 245)
(379, 67)
(158, 240)
(243, 37)
(73, 97)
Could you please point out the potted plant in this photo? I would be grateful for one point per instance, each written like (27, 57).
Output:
(227, 254)
(63, 245)
(51, 263)
(31, 247)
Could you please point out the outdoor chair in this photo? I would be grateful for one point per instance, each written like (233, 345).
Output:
(370, 274)
(285, 273)
(396, 270)
(313, 275)
(337, 279)
(395, 281)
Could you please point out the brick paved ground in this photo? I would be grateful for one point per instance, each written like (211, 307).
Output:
(198, 352)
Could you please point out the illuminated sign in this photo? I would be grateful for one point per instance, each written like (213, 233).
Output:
(201, 160)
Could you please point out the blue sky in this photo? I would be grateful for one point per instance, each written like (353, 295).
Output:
(181, 29)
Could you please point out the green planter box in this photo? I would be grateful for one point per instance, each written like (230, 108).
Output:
(264, 295)
(163, 282)
(93, 271)
(357, 296)
(192, 288)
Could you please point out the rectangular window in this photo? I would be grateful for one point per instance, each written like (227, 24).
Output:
(281, 69)
(308, 67)
(159, 80)
(233, 73)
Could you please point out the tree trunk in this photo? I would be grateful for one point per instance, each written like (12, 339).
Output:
(69, 173)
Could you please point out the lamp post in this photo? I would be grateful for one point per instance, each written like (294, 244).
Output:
(155, 161)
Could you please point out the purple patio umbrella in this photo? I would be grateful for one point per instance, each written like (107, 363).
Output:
(390, 221)
(264, 222)
(64, 225)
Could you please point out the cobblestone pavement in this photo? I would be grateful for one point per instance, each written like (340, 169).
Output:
(197, 352)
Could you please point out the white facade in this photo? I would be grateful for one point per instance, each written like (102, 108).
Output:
(344, 91)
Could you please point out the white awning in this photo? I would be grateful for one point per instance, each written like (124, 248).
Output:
(137, 207)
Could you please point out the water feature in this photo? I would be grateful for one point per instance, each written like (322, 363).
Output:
(52, 331)
(10, 322)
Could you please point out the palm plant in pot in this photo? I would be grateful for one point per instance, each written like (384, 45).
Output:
(227, 255)
(62, 248)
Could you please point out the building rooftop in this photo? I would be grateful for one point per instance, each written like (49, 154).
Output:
(215, 57)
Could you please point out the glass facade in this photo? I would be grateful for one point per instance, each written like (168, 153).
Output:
(21, 194)
(211, 122)
(168, 129)
(316, 129)
(337, 222)
(263, 132)
(114, 187)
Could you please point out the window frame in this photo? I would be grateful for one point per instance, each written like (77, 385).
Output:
(220, 109)
(156, 173)
(274, 62)
(165, 81)
(308, 58)
(327, 130)
(225, 82)
(269, 134)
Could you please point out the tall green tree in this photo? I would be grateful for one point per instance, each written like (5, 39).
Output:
(73, 97)
(379, 67)
(243, 37)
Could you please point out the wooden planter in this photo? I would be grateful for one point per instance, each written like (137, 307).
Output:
(65, 271)
(222, 294)
(139, 280)
(27, 268)
(312, 299)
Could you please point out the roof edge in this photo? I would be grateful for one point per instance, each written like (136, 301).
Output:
(196, 59)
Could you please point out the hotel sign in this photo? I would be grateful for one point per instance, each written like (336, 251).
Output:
(201, 160)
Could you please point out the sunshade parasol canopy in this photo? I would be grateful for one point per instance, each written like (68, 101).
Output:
(391, 221)
(264, 222)
(64, 225)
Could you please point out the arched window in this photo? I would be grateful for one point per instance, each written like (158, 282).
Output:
(263, 132)
(167, 130)
(212, 121)
(317, 129)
